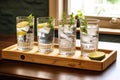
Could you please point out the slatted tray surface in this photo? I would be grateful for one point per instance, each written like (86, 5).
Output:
(53, 58)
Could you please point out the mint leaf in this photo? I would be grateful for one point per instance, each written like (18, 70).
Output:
(83, 21)
(50, 22)
(63, 19)
(83, 26)
(71, 22)
(80, 14)
(30, 19)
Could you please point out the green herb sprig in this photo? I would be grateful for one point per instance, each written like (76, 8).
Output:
(30, 19)
(72, 19)
(63, 19)
(80, 14)
(83, 21)
(50, 22)
(83, 26)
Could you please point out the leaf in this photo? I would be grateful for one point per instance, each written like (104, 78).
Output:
(50, 22)
(83, 26)
(71, 22)
(83, 21)
(80, 14)
(30, 19)
(63, 19)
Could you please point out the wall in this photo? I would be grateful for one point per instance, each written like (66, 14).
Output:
(9, 9)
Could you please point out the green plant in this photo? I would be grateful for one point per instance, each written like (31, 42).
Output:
(63, 19)
(72, 19)
(83, 21)
(30, 19)
(83, 26)
(50, 22)
(113, 1)
(80, 15)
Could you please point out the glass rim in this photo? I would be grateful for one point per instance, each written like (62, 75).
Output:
(43, 17)
(21, 16)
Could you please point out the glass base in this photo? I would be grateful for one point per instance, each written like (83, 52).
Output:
(23, 46)
(84, 54)
(66, 53)
(24, 49)
(45, 50)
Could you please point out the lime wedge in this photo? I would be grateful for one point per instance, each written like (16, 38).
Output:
(96, 55)
(42, 25)
(22, 24)
(21, 33)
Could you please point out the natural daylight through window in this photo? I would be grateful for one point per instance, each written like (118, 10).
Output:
(105, 8)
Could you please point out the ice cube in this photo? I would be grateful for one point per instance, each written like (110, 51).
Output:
(64, 36)
(45, 30)
(86, 38)
(65, 43)
(19, 29)
(92, 30)
(67, 29)
(26, 28)
(41, 34)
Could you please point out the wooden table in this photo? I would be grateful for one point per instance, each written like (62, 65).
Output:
(26, 70)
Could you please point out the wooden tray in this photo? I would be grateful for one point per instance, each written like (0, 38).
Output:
(54, 58)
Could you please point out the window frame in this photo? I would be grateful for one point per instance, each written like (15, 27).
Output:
(54, 11)
(56, 8)
(105, 22)
(53, 8)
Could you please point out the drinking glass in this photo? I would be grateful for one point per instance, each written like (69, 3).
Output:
(45, 34)
(25, 32)
(67, 38)
(89, 38)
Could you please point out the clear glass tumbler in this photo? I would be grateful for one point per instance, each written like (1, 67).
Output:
(89, 37)
(67, 38)
(25, 32)
(45, 33)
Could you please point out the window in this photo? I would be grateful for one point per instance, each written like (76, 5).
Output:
(104, 8)
(108, 11)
